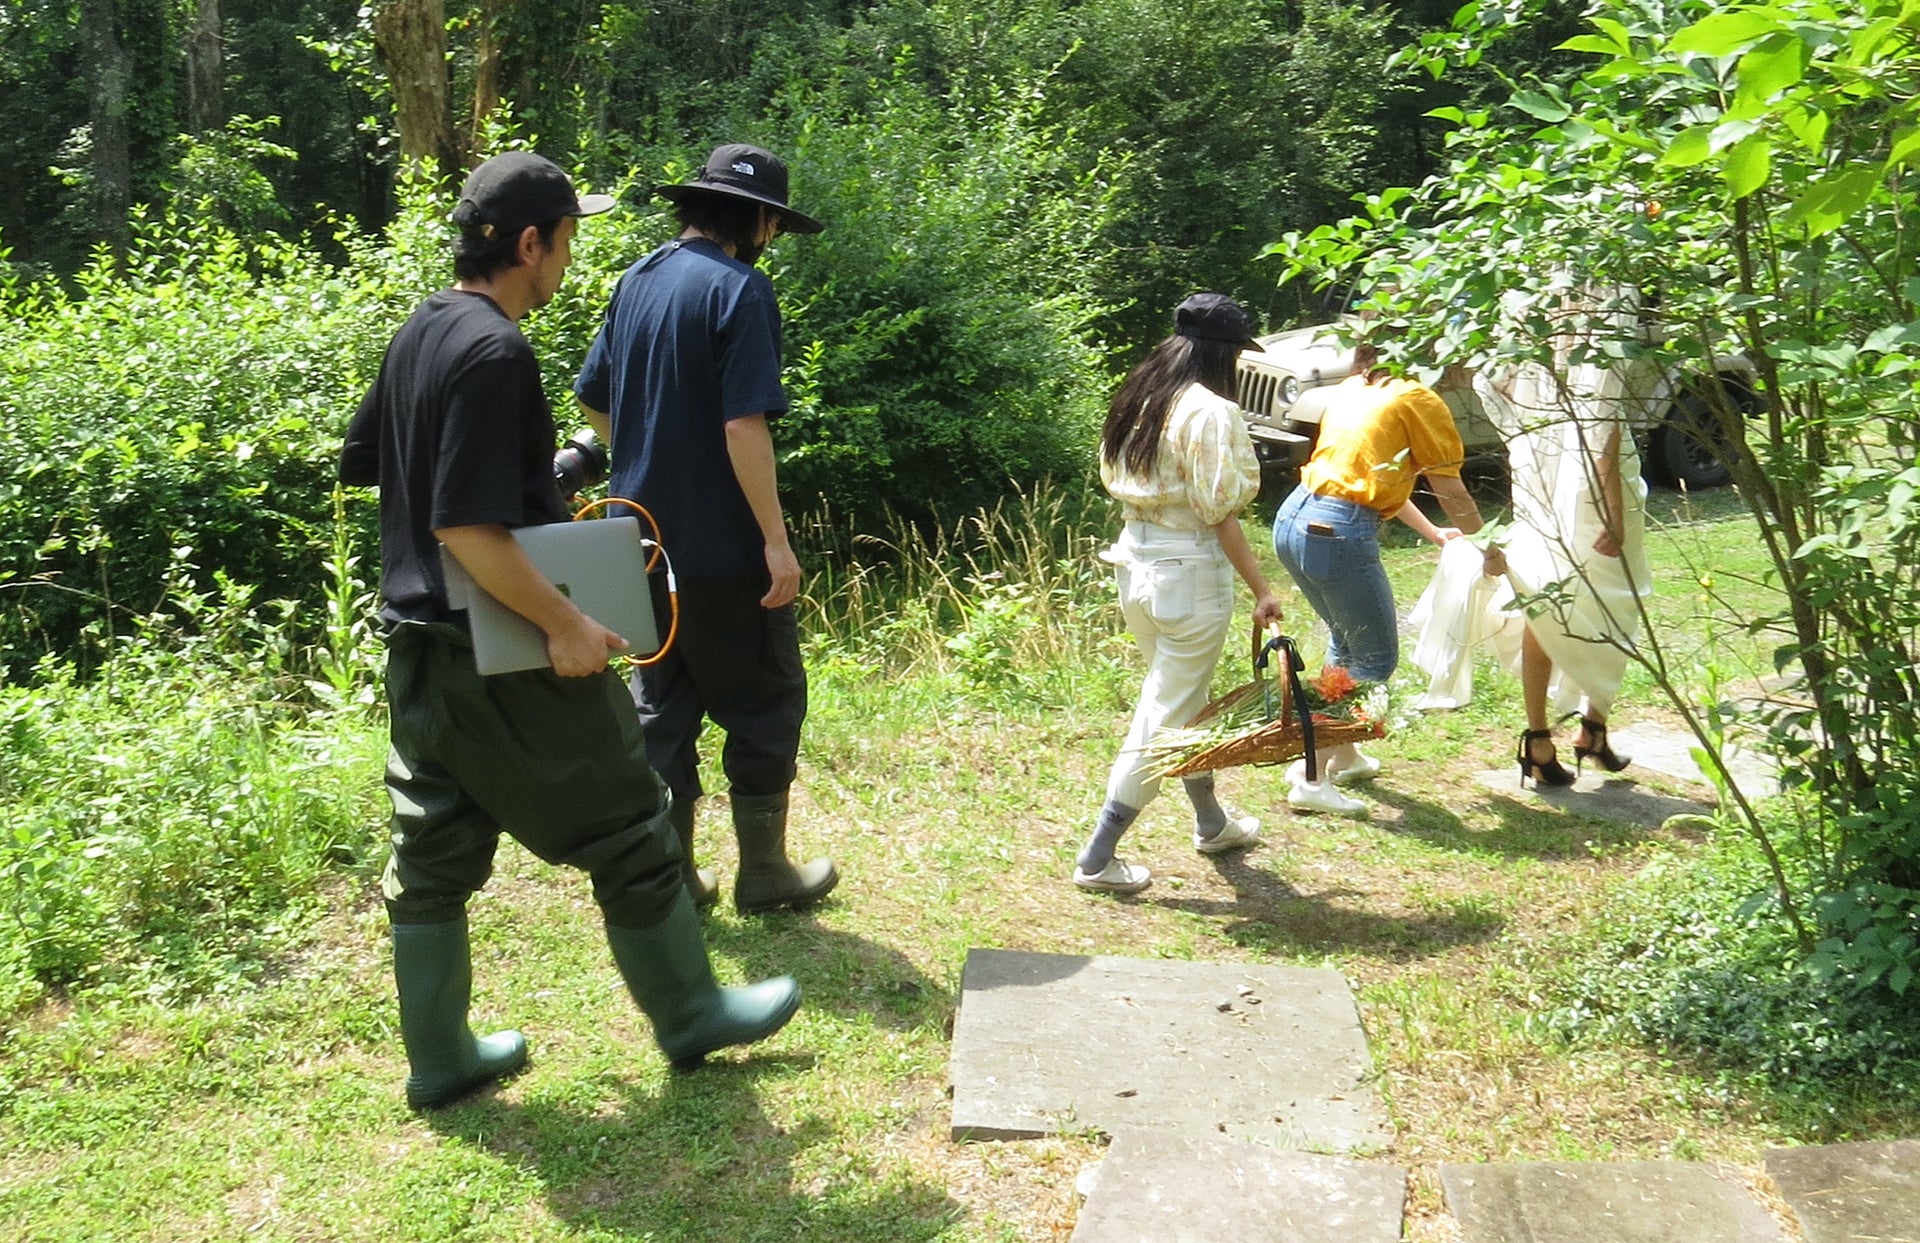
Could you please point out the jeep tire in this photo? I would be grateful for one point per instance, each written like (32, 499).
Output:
(1689, 449)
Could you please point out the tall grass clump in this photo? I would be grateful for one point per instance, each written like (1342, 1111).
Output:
(1009, 604)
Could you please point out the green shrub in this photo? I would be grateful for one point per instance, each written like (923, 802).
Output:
(939, 341)
(1697, 958)
(190, 398)
(939, 330)
(164, 822)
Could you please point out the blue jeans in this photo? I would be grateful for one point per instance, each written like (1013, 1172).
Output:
(1332, 549)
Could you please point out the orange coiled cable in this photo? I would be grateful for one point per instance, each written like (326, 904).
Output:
(659, 554)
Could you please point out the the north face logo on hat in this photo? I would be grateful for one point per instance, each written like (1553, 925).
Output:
(745, 169)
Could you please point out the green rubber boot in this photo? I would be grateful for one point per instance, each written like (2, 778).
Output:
(434, 976)
(667, 971)
(702, 885)
(768, 880)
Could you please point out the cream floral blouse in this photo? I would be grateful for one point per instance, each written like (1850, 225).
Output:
(1205, 472)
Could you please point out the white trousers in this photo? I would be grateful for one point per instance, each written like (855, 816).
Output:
(1176, 593)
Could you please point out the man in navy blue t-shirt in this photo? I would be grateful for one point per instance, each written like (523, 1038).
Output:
(681, 382)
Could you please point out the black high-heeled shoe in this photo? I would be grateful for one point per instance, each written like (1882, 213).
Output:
(1598, 747)
(1550, 772)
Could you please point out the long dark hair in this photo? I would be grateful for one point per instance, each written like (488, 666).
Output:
(728, 219)
(1138, 414)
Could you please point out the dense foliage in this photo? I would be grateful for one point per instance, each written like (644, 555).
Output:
(183, 405)
(192, 395)
(1240, 118)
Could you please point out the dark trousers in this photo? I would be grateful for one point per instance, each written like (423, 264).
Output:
(737, 664)
(559, 763)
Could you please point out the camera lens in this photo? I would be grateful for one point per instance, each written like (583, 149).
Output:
(580, 463)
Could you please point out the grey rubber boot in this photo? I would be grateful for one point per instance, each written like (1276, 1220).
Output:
(671, 980)
(433, 972)
(768, 880)
(702, 885)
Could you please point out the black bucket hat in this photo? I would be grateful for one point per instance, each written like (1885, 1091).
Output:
(740, 170)
(1215, 317)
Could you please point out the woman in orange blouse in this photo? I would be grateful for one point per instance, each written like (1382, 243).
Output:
(1378, 434)
(1175, 454)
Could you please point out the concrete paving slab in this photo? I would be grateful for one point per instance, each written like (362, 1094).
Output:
(1616, 798)
(1846, 1193)
(1605, 1202)
(1670, 751)
(1159, 1187)
(1045, 1043)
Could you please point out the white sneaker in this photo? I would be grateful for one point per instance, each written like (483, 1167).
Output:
(1239, 833)
(1322, 796)
(1118, 876)
(1364, 769)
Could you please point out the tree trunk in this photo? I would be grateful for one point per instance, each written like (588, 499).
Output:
(486, 72)
(108, 69)
(205, 69)
(410, 37)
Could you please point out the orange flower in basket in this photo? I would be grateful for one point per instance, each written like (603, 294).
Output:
(1333, 684)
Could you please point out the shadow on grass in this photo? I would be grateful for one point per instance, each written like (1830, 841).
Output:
(1271, 916)
(839, 973)
(698, 1161)
(1548, 826)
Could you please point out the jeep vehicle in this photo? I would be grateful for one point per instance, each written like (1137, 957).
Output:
(1284, 388)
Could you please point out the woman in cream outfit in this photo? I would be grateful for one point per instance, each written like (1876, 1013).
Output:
(1176, 455)
(1576, 552)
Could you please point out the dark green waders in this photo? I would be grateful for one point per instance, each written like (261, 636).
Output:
(560, 764)
(671, 980)
(434, 975)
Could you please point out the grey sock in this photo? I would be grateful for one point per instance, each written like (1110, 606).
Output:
(1115, 820)
(1209, 817)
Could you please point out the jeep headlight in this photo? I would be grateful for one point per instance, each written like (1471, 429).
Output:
(1288, 391)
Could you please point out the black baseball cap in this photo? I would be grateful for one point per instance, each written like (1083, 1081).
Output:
(1215, 317)
(519, 188)
(743, 171)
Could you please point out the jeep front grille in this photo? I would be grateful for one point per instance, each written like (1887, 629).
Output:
(1258, 390)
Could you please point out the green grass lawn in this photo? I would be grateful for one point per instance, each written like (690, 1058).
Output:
(951, 771)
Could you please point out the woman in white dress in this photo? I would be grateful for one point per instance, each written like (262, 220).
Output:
(1576, 554)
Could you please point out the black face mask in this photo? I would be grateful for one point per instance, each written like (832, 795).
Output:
(749, 253)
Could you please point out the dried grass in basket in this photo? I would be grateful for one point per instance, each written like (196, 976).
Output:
(1285, 731)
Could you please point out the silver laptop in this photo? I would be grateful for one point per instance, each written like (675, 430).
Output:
(600, 564)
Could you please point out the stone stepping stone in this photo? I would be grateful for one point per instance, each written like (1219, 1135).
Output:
(1605, 1202)
(1847, 1193)
(1615, 798)
(1670, 751)
(1160, 1187)
(1046, 1043)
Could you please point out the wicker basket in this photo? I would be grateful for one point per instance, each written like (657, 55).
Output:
(1288, 733)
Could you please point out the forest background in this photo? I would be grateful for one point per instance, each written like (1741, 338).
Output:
(208, 232)
(208, 238)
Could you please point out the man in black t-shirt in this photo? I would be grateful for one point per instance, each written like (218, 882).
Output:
(457, 434)
(681, 382)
